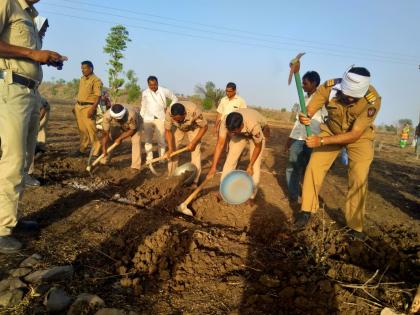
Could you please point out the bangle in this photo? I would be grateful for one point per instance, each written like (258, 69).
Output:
(322, 141)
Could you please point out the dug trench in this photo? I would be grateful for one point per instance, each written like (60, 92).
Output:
(129, 246)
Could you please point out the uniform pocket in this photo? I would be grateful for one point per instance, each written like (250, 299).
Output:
(23, 34)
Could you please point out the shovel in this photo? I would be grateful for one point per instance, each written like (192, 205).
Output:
(161, 158)
(183, 207)
(109, 150)
(294, 70)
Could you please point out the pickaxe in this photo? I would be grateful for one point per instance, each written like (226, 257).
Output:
(294, 70)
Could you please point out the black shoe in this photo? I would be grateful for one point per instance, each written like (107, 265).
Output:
(301, 220)
(27, 225)
(356, 235)
(9, 245)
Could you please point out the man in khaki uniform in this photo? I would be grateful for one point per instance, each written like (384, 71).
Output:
(20, 76)
(228, 104)
(41, 144)
(118, 124)
(243, 126)
(88, 98)
(187, 120)
(352, 105)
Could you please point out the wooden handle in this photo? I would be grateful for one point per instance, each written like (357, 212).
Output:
(162, 157)
(112, 147)
(195, 192)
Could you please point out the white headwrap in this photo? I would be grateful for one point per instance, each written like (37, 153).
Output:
(354, 85)
(119, 115)
(39, 22)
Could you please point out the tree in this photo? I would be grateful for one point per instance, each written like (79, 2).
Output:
(210, 93)
(116, 43)
(404, 121)
(132, 87)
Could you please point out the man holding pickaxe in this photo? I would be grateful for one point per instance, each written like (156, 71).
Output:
(352, 105)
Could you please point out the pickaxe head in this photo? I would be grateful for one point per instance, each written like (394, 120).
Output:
(294, 66)
(184, 210)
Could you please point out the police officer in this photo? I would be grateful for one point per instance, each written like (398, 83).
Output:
(20, 76)
(243, 126)
(88, 98)
(118, 124)
(187, 120)
(352, 105)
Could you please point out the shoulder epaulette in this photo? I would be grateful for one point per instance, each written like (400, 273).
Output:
(370, 97)
(332, 82)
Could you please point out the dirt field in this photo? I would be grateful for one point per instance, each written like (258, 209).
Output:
(128, 245)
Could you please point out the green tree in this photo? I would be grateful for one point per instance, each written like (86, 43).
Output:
(116, 43)
(132, 88)
(404, 121)
(210, 93)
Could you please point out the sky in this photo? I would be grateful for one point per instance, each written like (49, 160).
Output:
(190, 42)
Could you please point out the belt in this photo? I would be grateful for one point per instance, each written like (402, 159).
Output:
(17, 78)
(85, 103)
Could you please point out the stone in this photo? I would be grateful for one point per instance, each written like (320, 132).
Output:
(31, 261)
(57, 300)
(16, 283)
(415, 306)
(110, 311)
(60, 273)
(86, 301)
(11, 298)
(269, 281)
(4, 285)
(20, 272)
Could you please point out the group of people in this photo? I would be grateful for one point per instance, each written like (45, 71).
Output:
(340, 112)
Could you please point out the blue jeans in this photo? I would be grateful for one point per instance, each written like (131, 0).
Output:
(299, 155)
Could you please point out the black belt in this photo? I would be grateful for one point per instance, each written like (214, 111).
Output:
(85, 103)
(16, 78)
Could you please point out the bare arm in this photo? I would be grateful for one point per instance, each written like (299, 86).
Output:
(169, 140)
(216, 155)
(105, 141)
(255, 154)
(42, 56)
(217, 123)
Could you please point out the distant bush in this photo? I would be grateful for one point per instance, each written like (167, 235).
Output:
(283, 110)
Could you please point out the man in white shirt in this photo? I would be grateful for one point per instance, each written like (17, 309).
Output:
(299, 153)
(153, 108)
(228, 104)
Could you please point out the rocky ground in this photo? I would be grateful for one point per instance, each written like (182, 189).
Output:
(112, 242)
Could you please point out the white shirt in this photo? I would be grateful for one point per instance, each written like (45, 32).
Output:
(299, 131)
(153, 104)
(226, 105)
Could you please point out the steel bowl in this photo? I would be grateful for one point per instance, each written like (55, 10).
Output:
(189, 168)
(236, 187)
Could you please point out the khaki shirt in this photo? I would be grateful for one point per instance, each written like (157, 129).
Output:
(226, 105)
(193, 118)
(254, 123)
(343, 118)
(90, 88)
(17, 28)
(131, 121)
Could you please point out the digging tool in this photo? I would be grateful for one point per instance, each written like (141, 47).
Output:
(90, 157)
(161, 158)
(109, 150)
(183, 207)
(294, 70)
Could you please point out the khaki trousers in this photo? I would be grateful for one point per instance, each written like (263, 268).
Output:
(179, 135)
(236, 147)
(360, 157)
(135, 146)
(87, 129)
(149, 129)
(19, 119)
(41, 141)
